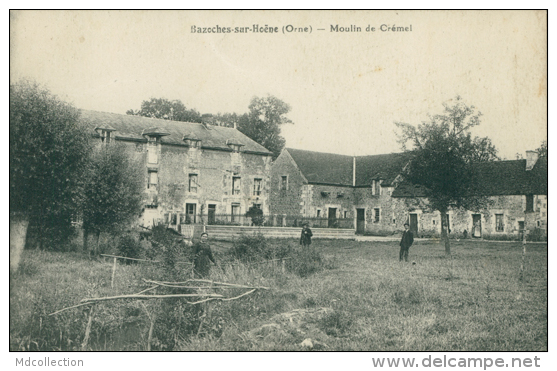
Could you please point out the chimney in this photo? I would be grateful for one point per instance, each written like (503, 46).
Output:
(207, 119)
(353, 171)
(531, 159)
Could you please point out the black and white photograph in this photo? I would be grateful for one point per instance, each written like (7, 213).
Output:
(279, 181)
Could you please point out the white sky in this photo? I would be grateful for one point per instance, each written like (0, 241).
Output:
(345, 89)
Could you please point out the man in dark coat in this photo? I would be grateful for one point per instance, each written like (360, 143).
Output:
(406, 241)
(202, 257)
(305, 238)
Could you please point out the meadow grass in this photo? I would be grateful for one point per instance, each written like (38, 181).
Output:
(364, 300)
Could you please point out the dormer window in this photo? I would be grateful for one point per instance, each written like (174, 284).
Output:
(234, 145)
(192, 143)
(152, 150)
(153, 136)
(191, 140)
(105, 133)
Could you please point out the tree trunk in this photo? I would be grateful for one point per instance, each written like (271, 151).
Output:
(85, 240)
(97, 235)
(18, 233)
(444, 234)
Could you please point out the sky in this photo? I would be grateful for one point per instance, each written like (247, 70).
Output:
(345, 89)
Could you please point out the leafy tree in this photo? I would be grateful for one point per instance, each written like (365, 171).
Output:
(162, 108)
(113, 188)
(256, 215)
(228, 119)
(263, 121)
(444, 154)
(542, 151)
(48, 151)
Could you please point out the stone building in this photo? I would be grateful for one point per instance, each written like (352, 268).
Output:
(194, 172)
(367, 193)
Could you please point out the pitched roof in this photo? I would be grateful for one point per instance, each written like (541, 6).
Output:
(497, 178)
(132, 127)
(330, 168)
(386, 167)
(324, 168)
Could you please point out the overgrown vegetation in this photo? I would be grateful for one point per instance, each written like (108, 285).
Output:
(472, 301)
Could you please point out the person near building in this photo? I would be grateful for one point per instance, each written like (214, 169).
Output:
(305, 238)
(202, 257)
(405, 243)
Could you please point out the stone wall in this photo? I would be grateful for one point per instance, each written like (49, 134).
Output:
(212, 174)
(288, 200)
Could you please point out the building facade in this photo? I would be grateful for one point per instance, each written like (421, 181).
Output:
(368, 194)
(194, 172)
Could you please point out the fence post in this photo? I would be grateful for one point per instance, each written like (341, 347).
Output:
(523, 255)
(113, 274)
(283, 265)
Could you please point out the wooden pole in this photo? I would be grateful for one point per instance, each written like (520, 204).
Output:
(153, 317)
(87, 330)
(113, 274)
(523, 255)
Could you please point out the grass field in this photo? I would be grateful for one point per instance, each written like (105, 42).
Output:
(364, 300)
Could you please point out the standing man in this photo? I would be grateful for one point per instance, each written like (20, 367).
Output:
(305, 238)
(202, 257)
(406, 241)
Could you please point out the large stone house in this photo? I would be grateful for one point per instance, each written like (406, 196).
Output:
(368, 193)
(194, 172)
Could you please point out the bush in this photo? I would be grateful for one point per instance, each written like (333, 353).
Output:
(257, 248)
(256, 215)
(129, 247)
(536, 235)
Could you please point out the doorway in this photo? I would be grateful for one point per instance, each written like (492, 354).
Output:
(332, 217)
(360, 221)
(211, 209)
(414, 224)
(477, 225)
(190, 213)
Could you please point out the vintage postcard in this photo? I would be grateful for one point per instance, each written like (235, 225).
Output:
(279, 181)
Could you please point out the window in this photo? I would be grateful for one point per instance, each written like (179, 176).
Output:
(376, 214)
(192, 184)
(284, 183)
(153, 179)
(236, 185)
(152, 151)
(190, 213)
(257, 187)
(105, 136)
(499, 224)
(529, 203)
(257, 206)
(318, 213)
(345, 214)
(173, 218)
(377, 188)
